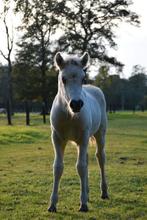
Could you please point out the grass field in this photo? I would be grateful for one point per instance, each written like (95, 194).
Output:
(26, 157)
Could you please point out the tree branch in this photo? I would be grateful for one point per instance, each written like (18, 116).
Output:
(10, 41)
(3, 55)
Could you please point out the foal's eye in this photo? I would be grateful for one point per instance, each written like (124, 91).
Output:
(84, 81)
(64, 80)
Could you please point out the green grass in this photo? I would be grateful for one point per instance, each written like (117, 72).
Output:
(26, 157)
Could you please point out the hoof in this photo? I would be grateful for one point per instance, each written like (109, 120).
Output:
(83, 208)
(105, 196)
(52, 208)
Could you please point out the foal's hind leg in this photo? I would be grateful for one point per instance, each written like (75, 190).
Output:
(100, 155)
(87, 182)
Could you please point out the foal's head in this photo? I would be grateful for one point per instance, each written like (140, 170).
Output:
(71, 78)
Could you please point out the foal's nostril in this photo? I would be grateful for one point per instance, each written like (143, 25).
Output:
(80, 102)
(73, 104)
(76, 105)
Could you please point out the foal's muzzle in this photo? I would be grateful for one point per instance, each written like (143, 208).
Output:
(76, 105)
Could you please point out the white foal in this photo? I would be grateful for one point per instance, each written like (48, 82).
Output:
(78, 113)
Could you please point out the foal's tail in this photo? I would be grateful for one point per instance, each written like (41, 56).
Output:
(92, 140)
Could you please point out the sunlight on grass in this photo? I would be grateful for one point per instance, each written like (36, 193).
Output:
(21, 135)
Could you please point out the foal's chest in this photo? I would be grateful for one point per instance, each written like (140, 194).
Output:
(71, 128)
(75, 131)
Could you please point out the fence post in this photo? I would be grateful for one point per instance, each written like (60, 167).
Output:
(27, 113)
(44, 112)
(9, 112)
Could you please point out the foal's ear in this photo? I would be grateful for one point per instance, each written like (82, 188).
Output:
(84, 60)
(59, 61)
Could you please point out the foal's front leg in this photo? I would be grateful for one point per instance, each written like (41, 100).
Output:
(82, 168)
(59, 146)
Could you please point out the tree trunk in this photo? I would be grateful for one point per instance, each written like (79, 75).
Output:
(9, 112)
(10, 89)
(44, 113)
(43, 72)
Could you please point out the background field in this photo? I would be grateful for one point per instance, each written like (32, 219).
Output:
(26, 157)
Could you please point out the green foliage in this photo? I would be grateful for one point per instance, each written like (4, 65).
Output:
(26, 172)
(123, 93)
(28, 83)
(90, 26)
(3, 83)
(86, 26)
(138, 88)
(36, 48)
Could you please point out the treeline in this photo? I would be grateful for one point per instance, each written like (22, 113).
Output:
(50, 26)
(27, 86)
(121, 93)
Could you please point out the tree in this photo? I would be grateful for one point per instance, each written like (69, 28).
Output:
(90, 26)
(138, 69)
(117, 91)
(10, 42)
(102, 81)
(137, 86)
(3, 85)
(102, 76)
(27, 83)
(36, 46)
(87, 25)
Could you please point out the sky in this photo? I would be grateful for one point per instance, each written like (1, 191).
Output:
(131, 41)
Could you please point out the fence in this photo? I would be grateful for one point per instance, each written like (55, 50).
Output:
(27, 107)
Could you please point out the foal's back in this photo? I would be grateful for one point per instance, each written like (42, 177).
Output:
(96, 104)
(98, 96)
(96, 93)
